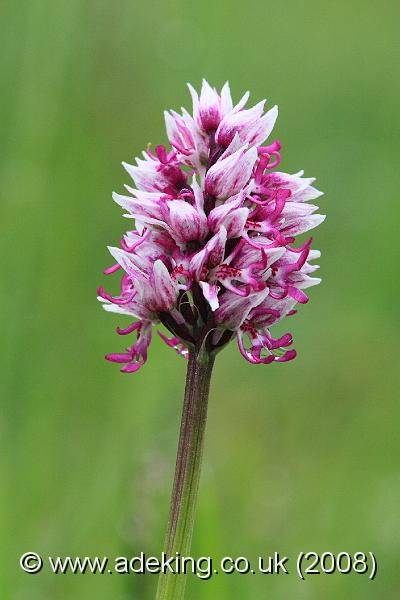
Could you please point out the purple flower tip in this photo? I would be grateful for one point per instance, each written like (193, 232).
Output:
(214, 252)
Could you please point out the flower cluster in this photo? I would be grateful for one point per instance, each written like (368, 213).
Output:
(213, 253)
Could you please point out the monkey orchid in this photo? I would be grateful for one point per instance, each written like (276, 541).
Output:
(212, 257)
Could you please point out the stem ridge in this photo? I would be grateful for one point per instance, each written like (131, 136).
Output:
(187, 471)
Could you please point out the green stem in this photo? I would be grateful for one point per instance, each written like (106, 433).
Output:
(187, 472)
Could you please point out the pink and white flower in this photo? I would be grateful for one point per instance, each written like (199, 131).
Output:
(213, 254)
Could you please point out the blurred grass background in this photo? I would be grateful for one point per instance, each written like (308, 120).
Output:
(304, 456)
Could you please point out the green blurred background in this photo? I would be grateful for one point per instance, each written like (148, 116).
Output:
(303, 456)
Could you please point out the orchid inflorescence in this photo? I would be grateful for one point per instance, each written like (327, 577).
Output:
(213, 254)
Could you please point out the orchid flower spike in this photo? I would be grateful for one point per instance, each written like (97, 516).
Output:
(213, 255)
